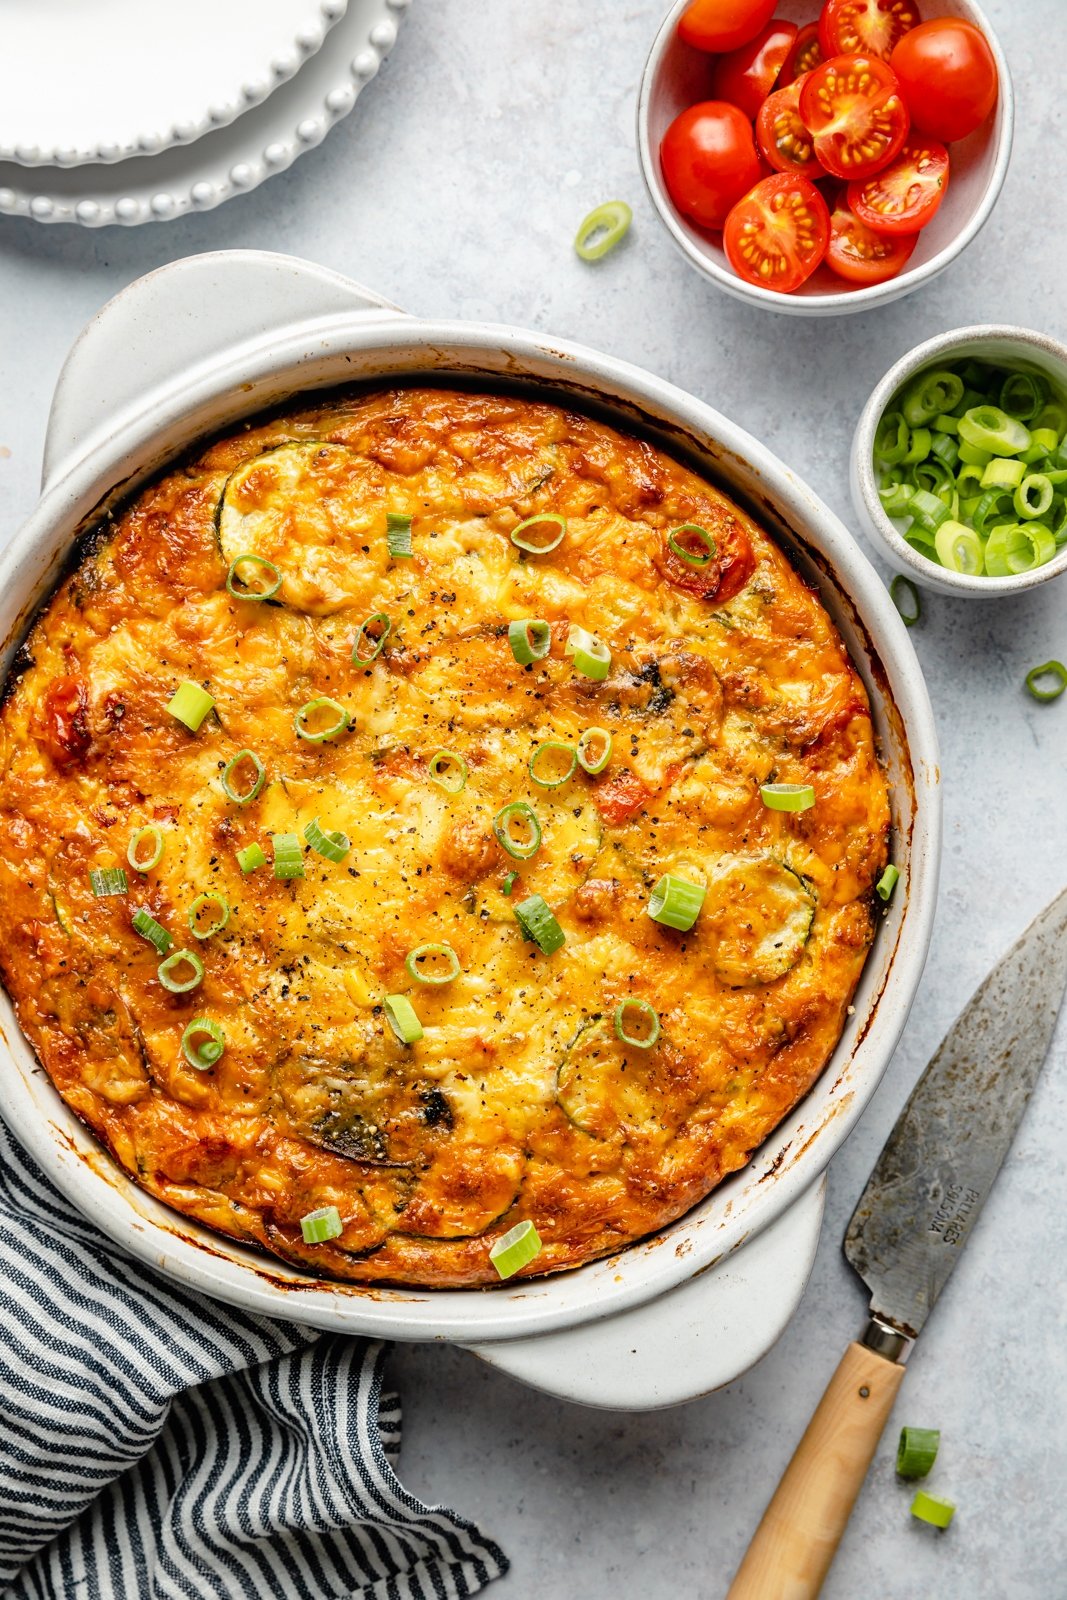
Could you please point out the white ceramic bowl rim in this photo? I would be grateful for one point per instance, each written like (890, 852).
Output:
(245, 377)
(960, 343)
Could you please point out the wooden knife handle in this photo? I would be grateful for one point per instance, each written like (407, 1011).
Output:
(801, 1529)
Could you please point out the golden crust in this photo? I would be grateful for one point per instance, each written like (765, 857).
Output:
(517, 1102)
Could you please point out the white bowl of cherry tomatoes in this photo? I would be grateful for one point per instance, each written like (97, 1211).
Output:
(821, 161)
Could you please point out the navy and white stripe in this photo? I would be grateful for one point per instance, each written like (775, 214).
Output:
(157, 1445)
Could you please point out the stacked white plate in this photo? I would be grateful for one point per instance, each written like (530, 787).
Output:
(122, 112)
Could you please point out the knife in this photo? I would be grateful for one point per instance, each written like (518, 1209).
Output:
(914, 1217)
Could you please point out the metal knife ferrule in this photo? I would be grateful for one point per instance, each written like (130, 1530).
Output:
(885, 1340)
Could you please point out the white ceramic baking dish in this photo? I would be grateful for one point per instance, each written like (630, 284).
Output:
(206, 342)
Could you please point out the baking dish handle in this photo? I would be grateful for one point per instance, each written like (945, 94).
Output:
(178, 317)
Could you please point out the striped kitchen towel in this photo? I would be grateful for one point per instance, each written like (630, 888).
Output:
(157, 1445)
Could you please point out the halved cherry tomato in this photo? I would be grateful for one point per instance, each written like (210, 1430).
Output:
(709, 161)
(805, 55)
(782, 136)
(777, 235)
(904, 196)
(746, 77)
(854, 108)
(948, 77)
(862, 256)
(724, 24)
(865, 27)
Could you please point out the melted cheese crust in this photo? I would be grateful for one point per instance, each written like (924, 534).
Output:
(519, 1101)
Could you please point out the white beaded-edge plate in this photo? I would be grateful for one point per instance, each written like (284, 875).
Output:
(102, 80)
(231, 160)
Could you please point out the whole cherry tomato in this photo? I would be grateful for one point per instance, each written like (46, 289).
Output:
(906, 195)
(777, 235)
(865, 27)
(855, 111)
(746, 77)
(948, 77)
(724, 24)
(709, 161)
(861, 256)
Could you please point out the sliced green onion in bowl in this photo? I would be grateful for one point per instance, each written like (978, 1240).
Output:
(105, 881)
(204, 902)
(1015, 548)
(891, 438)
(959, 549)
(288, 856)
(398, 535)
(553, 526)
(930, 394)
(142, 860)
(591, 657)
(1003, 472)
(403, 1018)
(887, 882)
(938, 1513)
(203, 1056)
(917, 1451)
(989, 428)
(448, 770)
(317, 1227)
(529, 842)
(905, 596)
(243, 796)
(594, 750)
(1022, 395)
(251, 858)
(553, 763)
(639, 1014)
(787, 796)
(675, 902)
(699, 547)
(515, 1249)
(432, 963)
(168, 972)
(539, 924)
(320, 719)
(190, 704)
(605, 227)
(146, 925)
(242, 588)
(1034, 496)
(530, 640)
(1048, 681)
(333, 845)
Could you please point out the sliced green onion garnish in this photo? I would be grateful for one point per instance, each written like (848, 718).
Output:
(594, 750)
(1048, 681)
(1034, 496)
(938, 1513)
(207, 902)
(1003, 472)
(787, 796)
(190, 704)
(288, 856)
(398, 535)
(537, 923)
(959, 548)
(530, 641)
(169, 971)
(1022, 396)
(509, 883)
(591, 658)
(917, 1451)
(676, 902)
(887, 882)
(246, 793)
(639, 1015)
(251, 857)
(553, 763)
(205, 1054)
(432, 963)
(603, 229)
(333, 845)
(242, 587)
(550, 531)
(371, 636)
(989, 428)
(905, 596)
(699, 547)
(106, 881)
(319, 1226)
(402, 1018)
(518, 813)
(320, 719)
(147, 926)
(448, 770)
(145, 849)
(515, 1249)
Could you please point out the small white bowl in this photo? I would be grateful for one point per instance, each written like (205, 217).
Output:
(1007, 346)
(677, 76)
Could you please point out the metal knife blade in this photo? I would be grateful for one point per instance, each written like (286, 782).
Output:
(944, 1153)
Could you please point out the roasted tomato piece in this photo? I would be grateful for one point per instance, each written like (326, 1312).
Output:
(709, 161)
(724, 24)
(948, 77)
(904, 196)
(783, 139)
(777, 235)
(859, 255)
(63, 717)
(804, 57)
(865, 27)
(746, 77)
(855, 110)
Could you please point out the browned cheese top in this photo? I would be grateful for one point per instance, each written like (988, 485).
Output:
(519, 1100)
